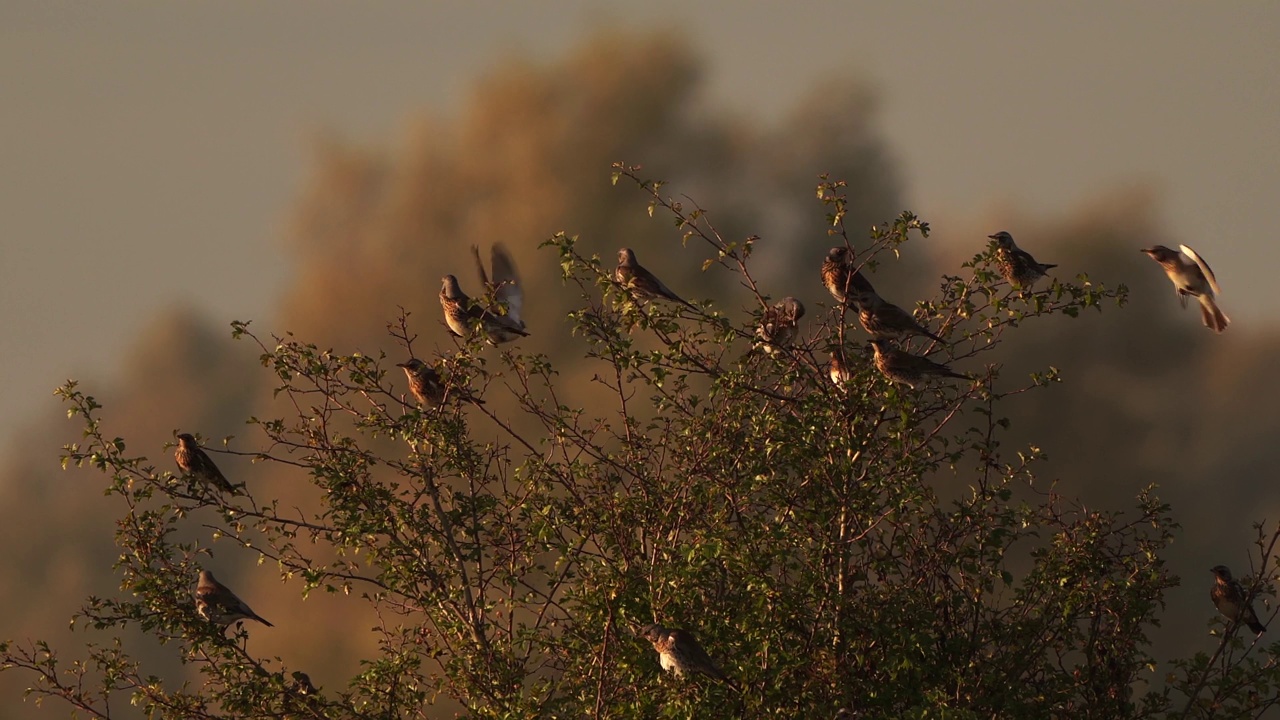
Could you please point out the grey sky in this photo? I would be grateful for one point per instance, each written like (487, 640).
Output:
(138, 138)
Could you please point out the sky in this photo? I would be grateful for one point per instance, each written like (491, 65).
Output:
(149, 153)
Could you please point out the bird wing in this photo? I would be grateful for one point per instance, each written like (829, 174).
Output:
(484, 277)
(506, 282)
(1204, 268)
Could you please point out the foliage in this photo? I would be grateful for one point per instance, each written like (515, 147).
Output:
(864, 546)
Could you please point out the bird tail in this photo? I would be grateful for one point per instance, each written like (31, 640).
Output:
(260, 619)
(931, 336)
(1213, 316)
(1257, 627)
(1046, 267)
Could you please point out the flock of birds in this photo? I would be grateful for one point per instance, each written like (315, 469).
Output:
(500, 322)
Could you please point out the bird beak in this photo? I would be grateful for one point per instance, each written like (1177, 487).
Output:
(993, 237)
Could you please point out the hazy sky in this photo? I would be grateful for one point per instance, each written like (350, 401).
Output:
(148, 151)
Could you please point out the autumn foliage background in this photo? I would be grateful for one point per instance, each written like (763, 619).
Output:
(1150, 396)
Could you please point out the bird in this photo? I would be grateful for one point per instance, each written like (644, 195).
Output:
(837, 370)
(883, 319)
(424, 382)
(680, 652)
(779, 325)
(216, 603)
(504, 287)
(903, 367)
(642, 283)
(1191, 276)
(428, 387)
(302, 683)
(1229, 597)
(196, 463)
(840, 278)
(460, 312)
(1016, 265)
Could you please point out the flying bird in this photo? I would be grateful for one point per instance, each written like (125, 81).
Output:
(1191, 276)
(780, 324)
(460, 312)
(882, 319)
(903, 367)
(504, 285)
(1016, 265)
(216, 603)
(196, 463)
(679, 652)
(1229, 597)
(642, 283)
(427, 386)
(840, 278)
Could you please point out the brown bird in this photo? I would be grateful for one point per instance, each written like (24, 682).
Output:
(679, 652)
(779, 325)
(461, 312)
(882, 319)
(903, 367)
(1191, 276)
(302, 683)
(196, 463)
(1016, 265)
(427, 386)
(216, 603)
(840, 278)
(643, 284)
(837, 370)
(1229, 597)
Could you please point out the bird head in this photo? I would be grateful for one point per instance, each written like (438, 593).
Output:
(881, 344)
(793, 308)
(186, 440)
(1003, 239)
(864, 299)
(1221, 572)
(450, 288)
(653, 632)
(1160, 253)
(626, 257)
(206, 578)
(411, 365)
(838, 254)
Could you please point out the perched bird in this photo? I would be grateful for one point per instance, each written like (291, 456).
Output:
(642, 283)
(679, 652)
(424, 382)
(428, 387)
(882, 319)
(460, 312)
(837, 370)
(196, 463)
(1229, 597)
(780, 324)
(302, 683)
(903, 367)
(1015, 265)
(840, 278)
(1191, 276)
(216, 603)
